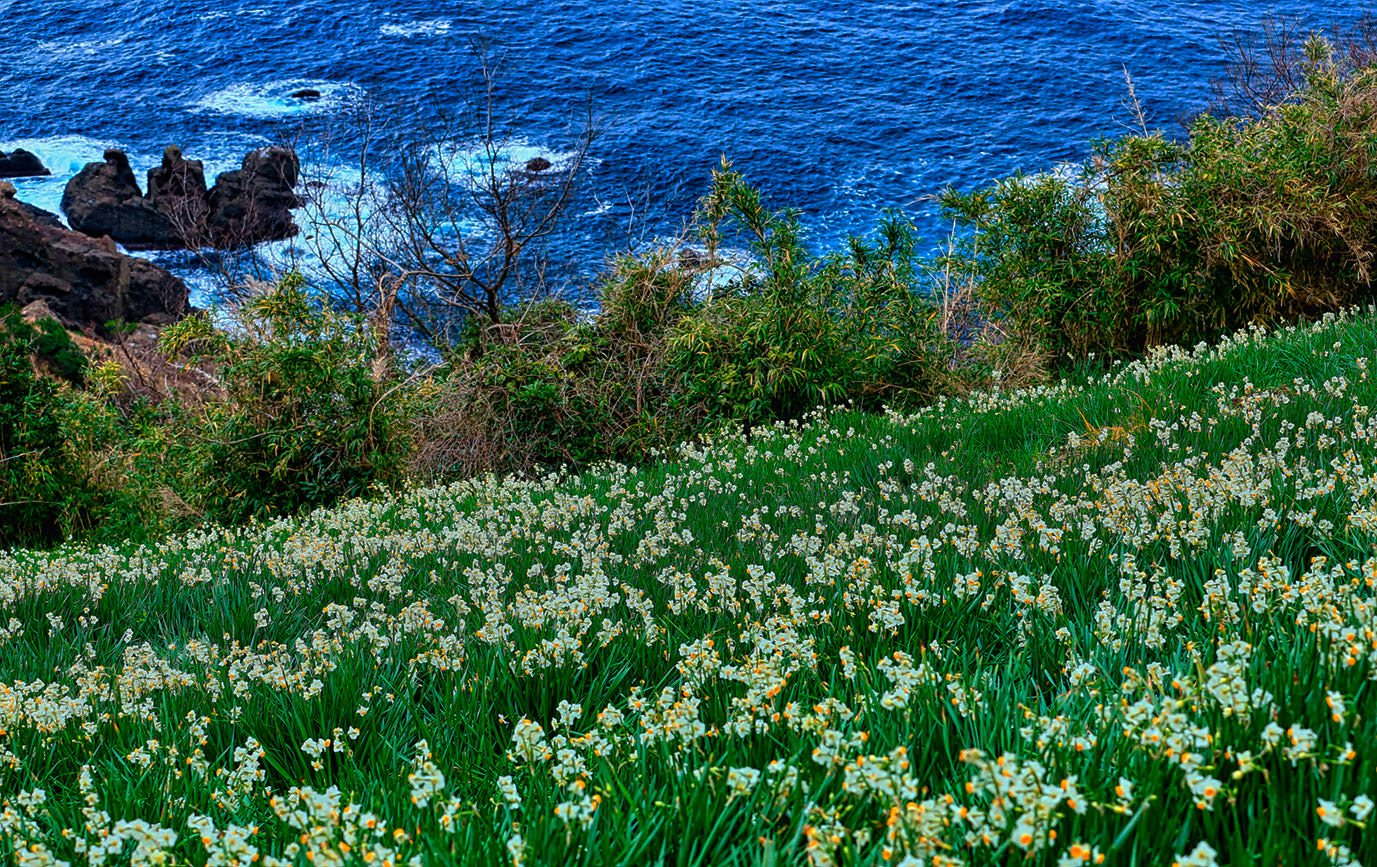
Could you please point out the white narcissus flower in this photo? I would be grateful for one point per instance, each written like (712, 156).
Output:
(1361, 808)
(1330, 813)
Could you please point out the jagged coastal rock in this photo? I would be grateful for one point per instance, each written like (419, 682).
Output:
(255, 202)
(19, 163)
(105, 199)
(247, 206)
(177, 188)
(82, 280)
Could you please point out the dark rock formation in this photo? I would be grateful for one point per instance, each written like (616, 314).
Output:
(306, 94)
(177, 189)
(255, 202)
(537, 164)
(21, 164)
(83, 281)
(104, 199)
(246, 206)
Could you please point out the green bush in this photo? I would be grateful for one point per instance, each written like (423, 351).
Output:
(545, 389)
(676, 349)
(1251, 220)
(46, 341)
(310, 414)
(136, 454)
(795, 331)
(80, 455)
(43, 491)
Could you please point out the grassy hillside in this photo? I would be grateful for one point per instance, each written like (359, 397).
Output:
(1127, 619)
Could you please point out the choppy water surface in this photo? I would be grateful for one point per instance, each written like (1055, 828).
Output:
(840, 110)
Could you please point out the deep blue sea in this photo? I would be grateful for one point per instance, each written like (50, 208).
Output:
(838, 109)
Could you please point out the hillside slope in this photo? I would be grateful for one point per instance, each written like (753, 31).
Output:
(1126, 619)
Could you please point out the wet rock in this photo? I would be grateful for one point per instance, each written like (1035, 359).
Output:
(247, 206)
(22, 164)
(83, 281)
(177, 188)
(104, 199)
(255, 202)
(537, 164)
(306, 94)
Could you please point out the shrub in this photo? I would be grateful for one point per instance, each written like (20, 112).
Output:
(676, 348)
(544, 389)
(43, 492)
(136, 453)
(311, 413)
(795, 331)
(1152, 241)
(46, 341)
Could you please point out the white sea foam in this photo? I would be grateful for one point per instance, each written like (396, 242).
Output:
(333, 190)
(413, 29)
(734, 265)
(275, 99)
(473, 159)
(78, 49)
(343, 210)
(64, 156)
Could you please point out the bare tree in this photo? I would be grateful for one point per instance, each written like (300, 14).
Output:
(1262, 69)
(451, 227)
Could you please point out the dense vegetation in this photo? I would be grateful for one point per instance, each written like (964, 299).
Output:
(1125, 619)
(1252, 219)
(1258, 218)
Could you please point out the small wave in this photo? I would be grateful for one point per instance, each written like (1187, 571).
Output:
(276, 99)
(221, 14)
(63, 155)
(412, 29)
(73, 49)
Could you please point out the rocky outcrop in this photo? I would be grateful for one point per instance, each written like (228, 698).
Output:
(19, 163)
(247, 206)
(255, 202)
(105, 199)
(82, 280)
(177, 189)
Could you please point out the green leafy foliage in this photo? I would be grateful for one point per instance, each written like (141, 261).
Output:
(546, 389)
(793, 331)
(43, 492)
(136, 452)
(684, 342)
(309, 415)
(46, 341)
(1080, 616)
(1251, 220)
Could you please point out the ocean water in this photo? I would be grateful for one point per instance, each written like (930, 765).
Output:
(840, 110)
